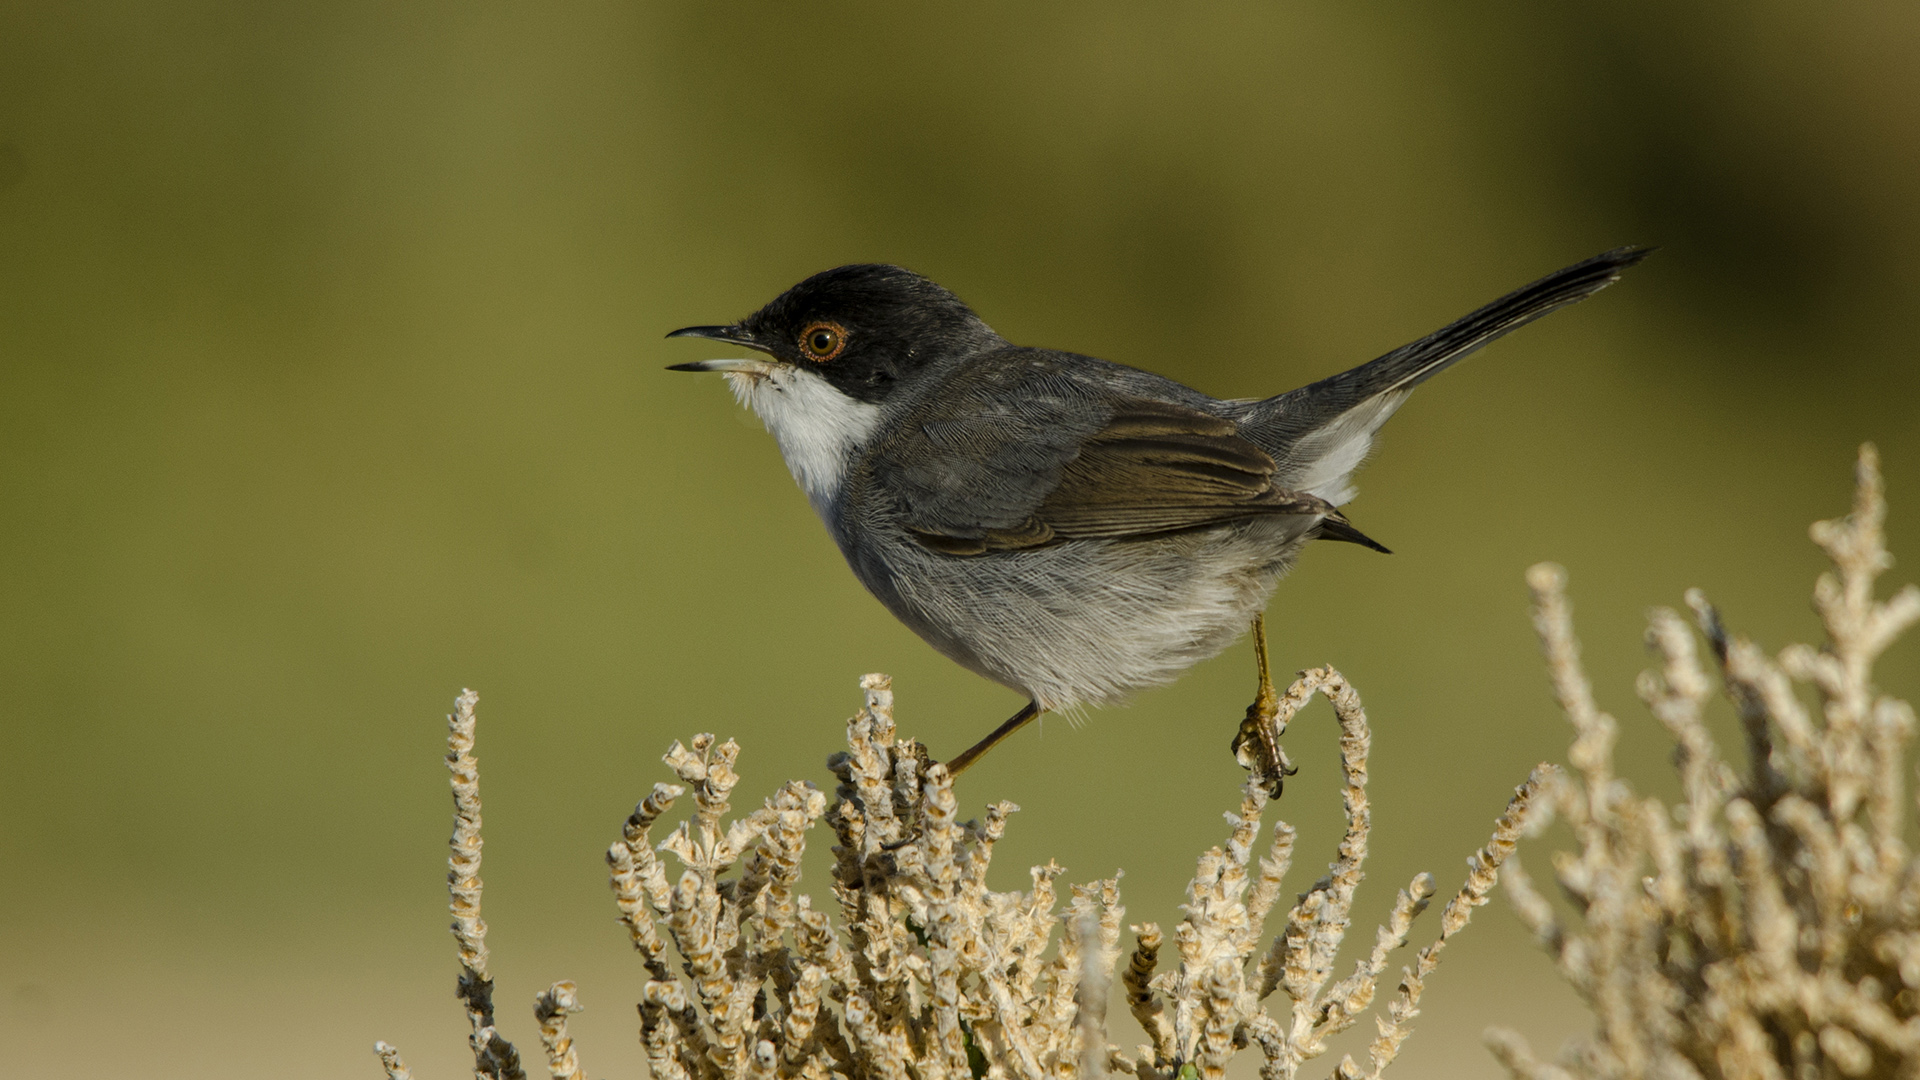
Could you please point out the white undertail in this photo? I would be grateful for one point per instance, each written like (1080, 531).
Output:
(1324, 460)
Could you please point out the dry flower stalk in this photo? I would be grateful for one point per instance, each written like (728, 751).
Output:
(551, 1009)
(1768, 926)
(390, 1061)
(494, 1058)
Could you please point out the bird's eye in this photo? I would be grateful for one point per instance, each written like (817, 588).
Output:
(822, 342)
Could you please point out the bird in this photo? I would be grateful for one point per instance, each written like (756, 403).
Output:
(1069, 527)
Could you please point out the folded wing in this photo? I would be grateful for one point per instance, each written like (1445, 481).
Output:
(1041, 461)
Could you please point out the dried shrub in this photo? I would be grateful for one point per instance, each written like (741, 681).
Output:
(1767, 926)
(918, 969)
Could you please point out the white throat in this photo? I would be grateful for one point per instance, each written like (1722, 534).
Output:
(818, 427)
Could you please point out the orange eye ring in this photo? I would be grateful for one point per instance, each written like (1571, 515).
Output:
(822, 341)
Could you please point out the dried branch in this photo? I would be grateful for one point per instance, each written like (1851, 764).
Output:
(390, 1061)
(494, 1058)
(551, 1010)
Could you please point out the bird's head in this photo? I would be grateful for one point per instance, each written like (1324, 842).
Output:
(863, 329)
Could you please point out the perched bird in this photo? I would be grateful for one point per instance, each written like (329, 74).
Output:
(1072, 528)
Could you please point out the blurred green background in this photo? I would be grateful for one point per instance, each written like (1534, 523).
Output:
(330, 383)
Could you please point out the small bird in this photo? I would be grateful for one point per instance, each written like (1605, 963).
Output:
(1069, 527)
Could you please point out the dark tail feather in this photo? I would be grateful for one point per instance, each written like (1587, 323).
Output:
(1335, 526)
(1409, 365)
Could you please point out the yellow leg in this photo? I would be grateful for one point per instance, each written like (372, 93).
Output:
(1266, 698)
(1256, 745)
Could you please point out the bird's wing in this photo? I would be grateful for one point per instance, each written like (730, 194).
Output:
(1320, 434)
(1034, 457)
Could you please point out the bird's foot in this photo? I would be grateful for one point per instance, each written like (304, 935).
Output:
(1256, 746)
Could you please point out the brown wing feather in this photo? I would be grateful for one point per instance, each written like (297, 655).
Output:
(1156, 468)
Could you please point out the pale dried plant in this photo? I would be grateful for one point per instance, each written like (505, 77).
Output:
(1767, 926)
(494, 1058)
(918, 969)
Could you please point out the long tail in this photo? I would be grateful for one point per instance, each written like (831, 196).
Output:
(1319, 434)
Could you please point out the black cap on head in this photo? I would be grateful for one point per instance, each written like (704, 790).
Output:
(865, 327)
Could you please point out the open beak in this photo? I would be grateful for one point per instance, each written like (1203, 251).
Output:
(731, 335)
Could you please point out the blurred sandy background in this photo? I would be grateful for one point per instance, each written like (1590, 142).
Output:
(330, 383)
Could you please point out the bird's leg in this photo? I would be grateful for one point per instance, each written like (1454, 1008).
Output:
(972, 754)
(1257, 744)
(1014, 723)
